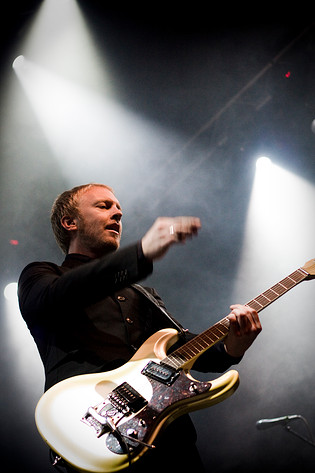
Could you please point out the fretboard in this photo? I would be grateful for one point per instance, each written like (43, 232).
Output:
(191, 350)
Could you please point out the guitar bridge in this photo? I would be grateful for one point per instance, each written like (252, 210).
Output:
(121, 402)
(126, 398)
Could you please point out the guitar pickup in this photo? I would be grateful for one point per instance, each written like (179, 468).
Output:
(160, 372)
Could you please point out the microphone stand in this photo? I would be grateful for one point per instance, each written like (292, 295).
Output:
(291, 431)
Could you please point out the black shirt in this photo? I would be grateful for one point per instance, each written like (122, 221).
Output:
(85, 315)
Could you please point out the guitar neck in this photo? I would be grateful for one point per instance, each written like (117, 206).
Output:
(191, 350)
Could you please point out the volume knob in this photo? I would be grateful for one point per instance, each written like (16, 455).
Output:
(193, 388)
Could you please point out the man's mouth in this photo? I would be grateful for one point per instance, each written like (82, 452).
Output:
(113, 227)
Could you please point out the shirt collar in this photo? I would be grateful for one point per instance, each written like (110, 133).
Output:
(75, 259)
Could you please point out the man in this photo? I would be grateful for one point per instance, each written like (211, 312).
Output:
(87, 315)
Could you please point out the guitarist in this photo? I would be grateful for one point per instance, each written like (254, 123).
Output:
(87, 315)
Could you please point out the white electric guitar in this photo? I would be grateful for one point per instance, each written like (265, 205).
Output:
(104, 422)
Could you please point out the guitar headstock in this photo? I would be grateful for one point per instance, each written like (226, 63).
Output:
(309, 267)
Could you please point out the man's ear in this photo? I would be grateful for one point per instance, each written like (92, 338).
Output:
(69, 223)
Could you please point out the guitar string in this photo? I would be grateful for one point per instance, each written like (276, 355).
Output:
(217, 332)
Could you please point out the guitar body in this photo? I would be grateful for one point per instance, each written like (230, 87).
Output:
(103, 422)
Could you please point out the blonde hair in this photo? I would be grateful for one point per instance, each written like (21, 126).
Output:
(66, 204)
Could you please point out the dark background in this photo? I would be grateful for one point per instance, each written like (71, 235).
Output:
(195, 94)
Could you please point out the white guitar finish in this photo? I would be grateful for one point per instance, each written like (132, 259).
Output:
(89, 442)
(60, 410)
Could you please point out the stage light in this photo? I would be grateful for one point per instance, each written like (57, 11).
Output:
(10, 292)
(21, 347)
(18, 62)
(279, 229)
(87, 130)
(265, 175)
(278, 239)
(73, 96)
(263, 163)
(59, 40)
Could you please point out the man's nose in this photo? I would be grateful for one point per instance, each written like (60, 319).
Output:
(117, 214)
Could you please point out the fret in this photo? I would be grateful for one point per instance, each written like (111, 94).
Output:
(171, 361)
(300, 274)
(198, 345)
(217, 332)
(188, 355)
(176, 361)
(288, 283)
(279, 289)
(191, 351)
(254, 305)
(207, 337)
(199, 342)
(264, 299)
(271, 294)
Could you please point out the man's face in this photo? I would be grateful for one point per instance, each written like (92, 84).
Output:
(99, 222)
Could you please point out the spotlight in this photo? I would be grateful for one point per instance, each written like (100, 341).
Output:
(18, 62)
(10, 291)
(263, 163)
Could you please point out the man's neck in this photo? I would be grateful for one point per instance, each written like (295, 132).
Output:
(89, 252)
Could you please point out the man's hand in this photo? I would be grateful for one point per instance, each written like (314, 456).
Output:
(244, 328)
(165, 232)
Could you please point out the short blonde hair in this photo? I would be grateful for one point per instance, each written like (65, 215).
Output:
(66, 204)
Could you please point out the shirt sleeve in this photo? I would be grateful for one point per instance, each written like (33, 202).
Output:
(47, 287)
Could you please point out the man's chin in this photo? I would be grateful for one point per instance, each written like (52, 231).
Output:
(110, 246)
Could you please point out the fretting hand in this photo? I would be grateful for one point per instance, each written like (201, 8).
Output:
(244, 328)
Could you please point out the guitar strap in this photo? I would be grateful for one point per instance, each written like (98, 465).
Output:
(148, 295)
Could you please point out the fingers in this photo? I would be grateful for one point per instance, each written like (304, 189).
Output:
(244, 319)
(167, 231)
(244, 328)
(181, 228)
